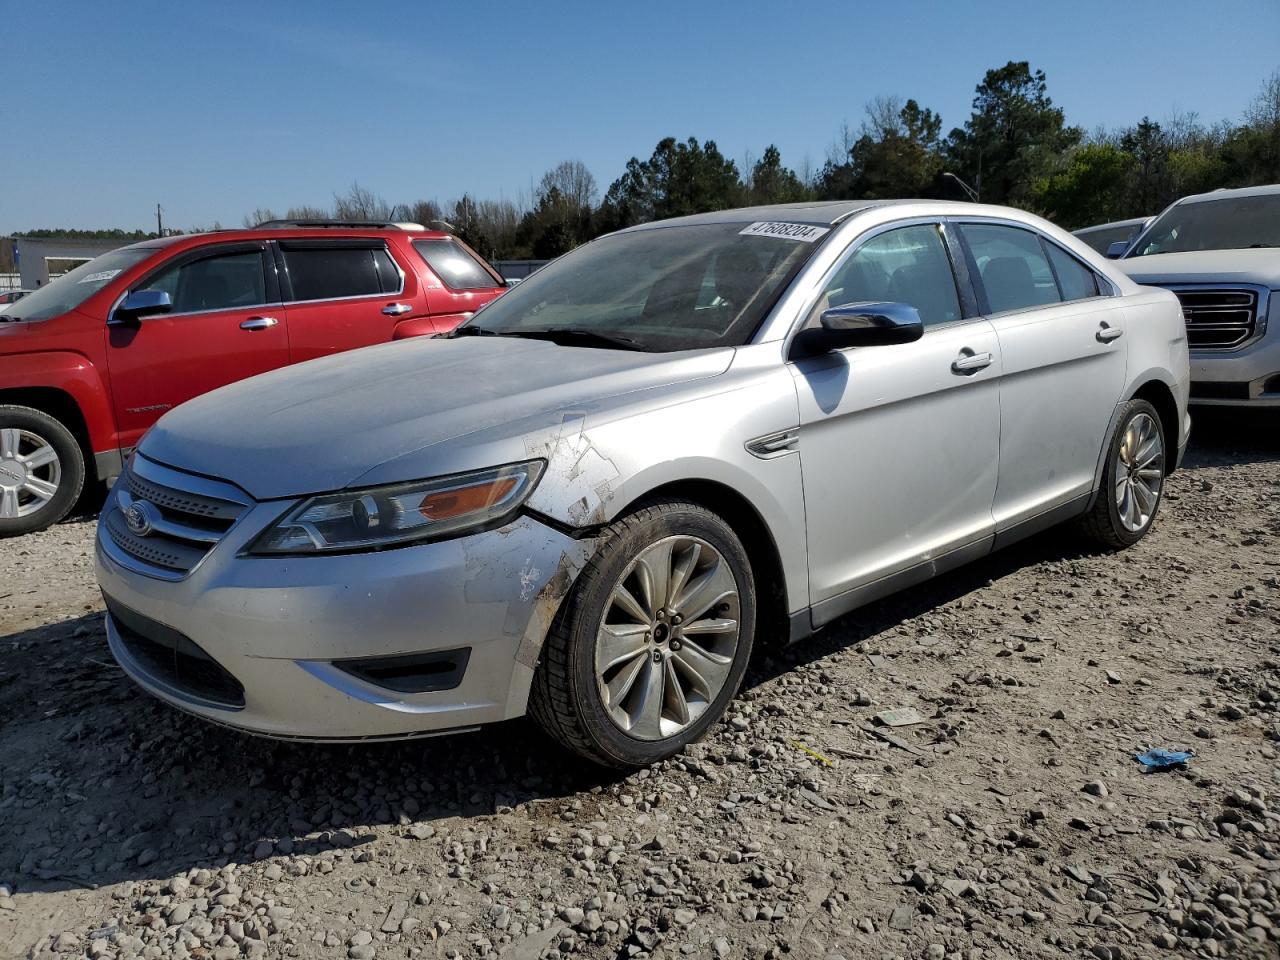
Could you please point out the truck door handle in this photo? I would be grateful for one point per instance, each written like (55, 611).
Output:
(259, 323)
(396, 309)
(1106, 333)
(969, 362)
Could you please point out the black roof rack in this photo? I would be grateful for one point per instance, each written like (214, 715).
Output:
(359, 224)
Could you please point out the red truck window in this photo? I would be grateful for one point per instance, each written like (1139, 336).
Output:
(329, 272)
(452, 264)
(215, 283)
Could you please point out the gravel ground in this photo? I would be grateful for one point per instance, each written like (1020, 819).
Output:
(1012, 822)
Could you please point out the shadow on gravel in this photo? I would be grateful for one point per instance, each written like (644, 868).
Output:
(103, 784)
(1221, 435)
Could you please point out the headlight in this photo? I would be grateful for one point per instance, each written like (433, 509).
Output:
(395, 515)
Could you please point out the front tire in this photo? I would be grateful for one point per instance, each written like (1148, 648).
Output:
(1132, 479)
(652, 642)
(41, 471)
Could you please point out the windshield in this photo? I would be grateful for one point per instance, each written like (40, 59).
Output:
(1102, 239)
(78, 285)
(1232, 223)
(662, 289)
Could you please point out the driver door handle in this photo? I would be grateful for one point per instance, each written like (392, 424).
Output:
(970, 362)
(1106, 333)
(259, 323)
(396, 309)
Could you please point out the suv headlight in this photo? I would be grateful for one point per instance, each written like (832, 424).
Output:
(392, 516)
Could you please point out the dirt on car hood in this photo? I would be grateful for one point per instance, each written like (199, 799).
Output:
(319, 426)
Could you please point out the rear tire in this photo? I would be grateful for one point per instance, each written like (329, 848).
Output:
(1132, 480)
(41, 471)
(620, 681)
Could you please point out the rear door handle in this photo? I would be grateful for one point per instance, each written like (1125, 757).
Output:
(259, 323)
(1106, 333)
(970, 362)
(396, 309)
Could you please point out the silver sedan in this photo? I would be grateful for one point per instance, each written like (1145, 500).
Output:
(673, 444)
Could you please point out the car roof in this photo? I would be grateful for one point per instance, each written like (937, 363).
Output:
(286, 233)
(828, 213)
(1265, 190)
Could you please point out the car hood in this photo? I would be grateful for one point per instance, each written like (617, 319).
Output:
(1261, 266)
(320, 426)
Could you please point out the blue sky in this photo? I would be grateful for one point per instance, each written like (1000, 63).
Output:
(213, 109)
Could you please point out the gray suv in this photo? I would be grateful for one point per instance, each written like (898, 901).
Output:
(1220, 253)
(593, 499)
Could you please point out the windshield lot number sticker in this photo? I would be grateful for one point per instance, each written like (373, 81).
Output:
(100, 276)
(804, 232)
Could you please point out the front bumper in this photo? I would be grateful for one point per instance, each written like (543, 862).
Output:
(277, 625)
(1248, 377)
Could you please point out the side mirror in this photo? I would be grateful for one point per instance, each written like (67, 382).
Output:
(875, 324)
(1117, 249)
(142, 303)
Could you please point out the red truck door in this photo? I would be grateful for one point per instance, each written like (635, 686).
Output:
(344, 293)
(226, 324)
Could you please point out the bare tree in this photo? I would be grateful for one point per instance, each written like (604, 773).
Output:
(573, 181)
(360, 203)
(259, 215)
(424, 211)
(307, 213)
(838, 152)
(1264, 111)
(884, 118)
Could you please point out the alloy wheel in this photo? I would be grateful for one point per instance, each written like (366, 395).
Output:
(30, 473)
(1139, 472)
(666, 645)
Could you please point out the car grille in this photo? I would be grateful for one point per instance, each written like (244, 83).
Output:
(1218, 318)
(170, 658)
(187, 517)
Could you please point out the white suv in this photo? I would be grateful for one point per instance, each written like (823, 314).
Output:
(1220, 253)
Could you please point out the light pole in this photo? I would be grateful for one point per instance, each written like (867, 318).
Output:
(969, 191)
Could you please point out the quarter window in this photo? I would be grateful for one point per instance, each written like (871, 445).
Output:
(1075, 280)
(452, 264)
(214, 283)
(907, 265)
(332, 273)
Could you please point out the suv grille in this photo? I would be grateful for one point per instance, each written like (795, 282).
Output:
(1218, 319)
(184, 518)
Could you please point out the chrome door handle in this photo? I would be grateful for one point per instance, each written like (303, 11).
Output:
(396, 309)
(1106, 333)
(971, 362)
(259, 323)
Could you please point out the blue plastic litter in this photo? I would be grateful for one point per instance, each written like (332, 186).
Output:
(1161, 759)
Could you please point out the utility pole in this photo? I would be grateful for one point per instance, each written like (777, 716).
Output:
(159, 222)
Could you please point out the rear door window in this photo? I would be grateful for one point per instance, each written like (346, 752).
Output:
(454, 265)
(1012, 266)
(333, 272)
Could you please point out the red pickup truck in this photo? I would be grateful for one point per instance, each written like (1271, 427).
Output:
(90, 361)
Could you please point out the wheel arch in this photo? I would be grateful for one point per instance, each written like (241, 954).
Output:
(1157, 393)
(750, 526)
(58, 404)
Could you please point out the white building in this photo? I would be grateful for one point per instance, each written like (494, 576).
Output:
(41, 259)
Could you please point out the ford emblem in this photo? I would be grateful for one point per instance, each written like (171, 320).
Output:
(140, 518)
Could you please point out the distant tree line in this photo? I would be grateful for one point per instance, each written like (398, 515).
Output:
(1015, 148)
